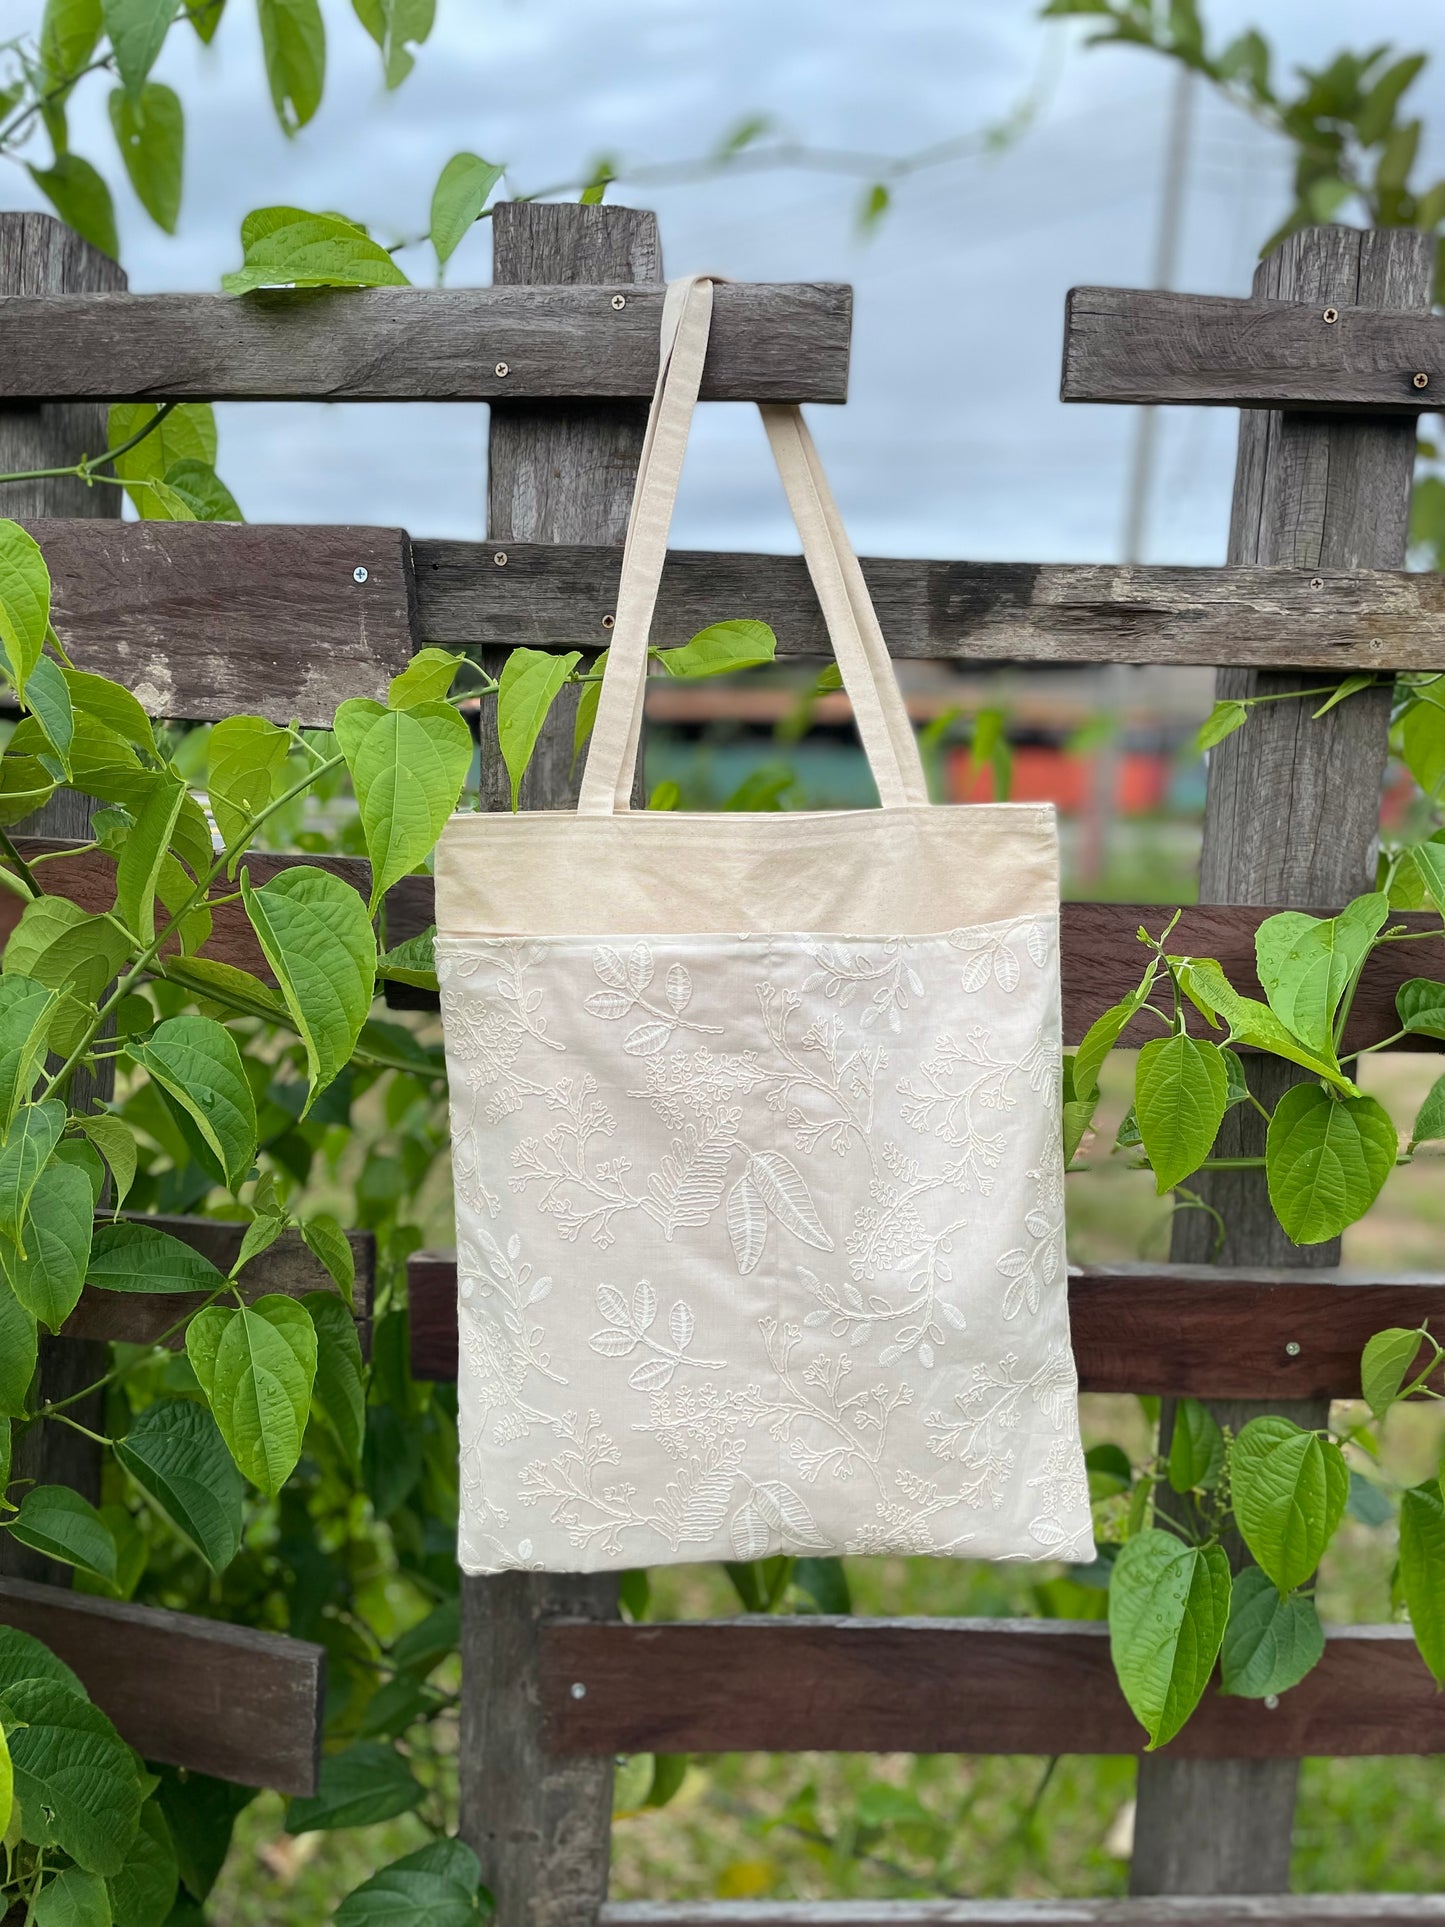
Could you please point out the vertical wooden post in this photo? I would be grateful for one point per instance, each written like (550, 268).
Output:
(39, 255)
(1292, 819)
(541, 1823)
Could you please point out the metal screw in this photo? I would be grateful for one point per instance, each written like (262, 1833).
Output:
(1331, 316)
(1271, 1702)
(501, 368)
(1422, 381)
(1317, 582)
(358, 574)
(608, 621)
(1292, 1348)
(579, 1691)
(619, 300)
(1375, 643)
(500, 558)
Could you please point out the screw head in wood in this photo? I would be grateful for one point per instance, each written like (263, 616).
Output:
(358, 574)
(1331, 316)
(502, 368)
(1271, 1702)
(619, 300)
(608, 621)
(1292, 1348)
(1317, 582)
(500, 558)
(578, 1690)
(1422, 381)
(1375, 643)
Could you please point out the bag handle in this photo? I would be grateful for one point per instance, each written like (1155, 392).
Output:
(863, 659)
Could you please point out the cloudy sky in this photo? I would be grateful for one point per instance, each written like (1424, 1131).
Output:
(954, 442)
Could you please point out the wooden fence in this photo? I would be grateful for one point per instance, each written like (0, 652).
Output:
(200, 620)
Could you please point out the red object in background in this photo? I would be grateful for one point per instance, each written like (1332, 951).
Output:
(1042, 774)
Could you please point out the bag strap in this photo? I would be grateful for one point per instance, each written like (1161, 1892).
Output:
(863, 659)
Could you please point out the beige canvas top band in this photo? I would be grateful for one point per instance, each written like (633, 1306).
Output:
(863, 659)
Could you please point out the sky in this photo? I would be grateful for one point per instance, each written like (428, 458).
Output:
(954, 442)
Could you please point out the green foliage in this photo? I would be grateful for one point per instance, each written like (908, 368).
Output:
(60, 1523)
(1168, 1604)
(319, 942)
(293, 40)
(1422, 1572)
(1271, 1641)
(364, 1784)
(437, 1886)
(1288, 1488)
(150, 133)
(176, 1455)
(1326, 1158)
(407, 767)
(284, 247)
(462, 191)
(256, 1365)
(530, 683)
(396, 26)
(1180, 1092)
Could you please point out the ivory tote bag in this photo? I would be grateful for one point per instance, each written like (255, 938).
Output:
(756, 1122)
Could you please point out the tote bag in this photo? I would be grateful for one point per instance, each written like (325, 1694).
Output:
(756, 1128)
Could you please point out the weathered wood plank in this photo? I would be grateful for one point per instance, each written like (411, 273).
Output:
(1225, 1910)
(139, 1318)
(949, 1686)
(227, 1700)
(785, 342)
(208, 619)
(1184, 1330)
(1127, 345)
(555, 597)
(1291, 817)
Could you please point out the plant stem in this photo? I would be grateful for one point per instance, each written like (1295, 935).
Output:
(21, 865)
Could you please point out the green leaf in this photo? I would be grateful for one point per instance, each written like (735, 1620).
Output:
(1422, 1572)
(75, 1778)
(411, 962)
(1430, 1121)
(1385, 1364)
(427, 678)
(25, 1011)
(1196, 1448)
(529, 684)
(1306, 964)
(205, 17)
(589, 694)
(1078, 1112)
(363, 1785)
(58, 1522)
(1222, 721)
(24, 602)
(256, 1365)
(134, 1256)
(423, 1647)
(1421, 1004)
(18, 1350)
(720, 649)
(186, 434)
(137, 873)
(293, 40)
(339, 1394)
(196, 1061)
(48, 1277)
(200, 1813)
(7, 1772)
(393, 24)
(1430, 862)
(105, 702)
(69, 30)
(137, 30)
(27, 1149)
(56, 944)
(1270, 1643)
(1289, 1489)
(49, 702)
(1422, 744)
(1102, 1035)
(437, 1886)
(1326, 1159)
(176, 1455)
(285, 247)
(227, 988)
(326, 1241)
(150, 131)
(202, 493)
(457, 201)
(318, 940)
(1251, 1022)
(144, 1891)
(115, 1141)
(1351, 686)
(74, 1898)
(245, 771)
(1181, 1090)
(82, 200)
(407, 767)
(1168, 1604)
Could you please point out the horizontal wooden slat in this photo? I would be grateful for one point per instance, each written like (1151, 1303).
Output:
(208, 619)
(1128, 345)
(227, 1700)
(784, 342)
(1183, 1330)
(1213, 1910)
(555, 597)
(948, 1686)
(1102, 960)
(139, 1318)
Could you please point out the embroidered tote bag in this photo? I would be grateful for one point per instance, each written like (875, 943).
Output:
(756, 1123)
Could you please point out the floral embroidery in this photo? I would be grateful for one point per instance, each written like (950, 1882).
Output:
(831, 1169)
